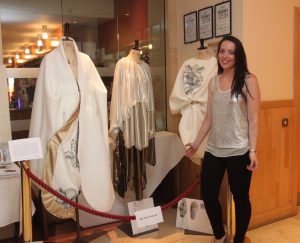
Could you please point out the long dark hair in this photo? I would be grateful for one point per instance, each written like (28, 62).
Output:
(241, 67)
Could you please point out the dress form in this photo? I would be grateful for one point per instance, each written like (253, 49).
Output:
(135, 55)
(205, 54)
(71, 57)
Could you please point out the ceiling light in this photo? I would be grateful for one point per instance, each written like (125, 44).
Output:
(17, 55)
(9, 60)
(27, 51)
(39, 41)
(45, 34)
(54, 43)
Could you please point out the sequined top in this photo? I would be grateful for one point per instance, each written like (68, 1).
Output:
(229, 125)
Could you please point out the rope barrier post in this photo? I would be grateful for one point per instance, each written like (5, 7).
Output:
(77, 222)
(230, 215)
(26, 203)
(78, 238)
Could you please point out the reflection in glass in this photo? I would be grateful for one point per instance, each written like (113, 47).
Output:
(103, 29)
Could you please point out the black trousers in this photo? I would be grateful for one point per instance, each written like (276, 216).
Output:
(239, 177)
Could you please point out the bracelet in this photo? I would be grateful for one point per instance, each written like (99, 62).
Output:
(252, 150)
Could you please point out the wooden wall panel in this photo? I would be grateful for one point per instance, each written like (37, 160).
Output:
(273, 188)
(297, 96)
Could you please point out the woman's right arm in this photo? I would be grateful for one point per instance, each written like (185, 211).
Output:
(191, 148)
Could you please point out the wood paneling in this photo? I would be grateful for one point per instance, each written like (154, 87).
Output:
(273, 188)
(297, 95)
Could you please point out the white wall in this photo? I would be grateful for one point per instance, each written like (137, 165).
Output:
(269, 41)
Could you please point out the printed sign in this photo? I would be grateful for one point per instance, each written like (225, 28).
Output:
(25, 149)
(149, 217)
(135, 206)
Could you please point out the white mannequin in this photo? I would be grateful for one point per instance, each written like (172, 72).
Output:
(71, 56)
(135, 55)
(205, 54)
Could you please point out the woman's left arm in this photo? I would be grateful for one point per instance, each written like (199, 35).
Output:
(253, 101)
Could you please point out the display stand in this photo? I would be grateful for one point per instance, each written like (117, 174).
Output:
(127, 229)
(78, 239)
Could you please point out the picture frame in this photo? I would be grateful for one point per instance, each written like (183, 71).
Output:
(190, 27)
(223, 20)
(205, 23)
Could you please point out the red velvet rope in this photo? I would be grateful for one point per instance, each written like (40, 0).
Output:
(98, 213)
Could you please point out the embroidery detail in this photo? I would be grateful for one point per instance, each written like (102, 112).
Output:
(192, 77)
(69, 193)
(72, 155)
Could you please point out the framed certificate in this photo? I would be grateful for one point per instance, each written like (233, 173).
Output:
(205, 23)
(223, 19)
(190, 27)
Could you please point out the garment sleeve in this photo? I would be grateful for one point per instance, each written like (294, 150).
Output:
(38, 123)
(178, 99)
(115, 108)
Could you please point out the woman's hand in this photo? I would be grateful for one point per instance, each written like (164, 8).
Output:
(254, 162)
(191, 149)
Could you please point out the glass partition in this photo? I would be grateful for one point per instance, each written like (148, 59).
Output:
(103, 29)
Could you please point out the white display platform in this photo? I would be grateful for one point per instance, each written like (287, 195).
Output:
(169, 151)
(10, 199)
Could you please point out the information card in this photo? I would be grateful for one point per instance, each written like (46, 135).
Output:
(25, 149)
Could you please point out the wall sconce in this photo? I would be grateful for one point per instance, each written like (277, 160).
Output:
(9, 60)
(44, 34)
(39, 41)
(150, 46)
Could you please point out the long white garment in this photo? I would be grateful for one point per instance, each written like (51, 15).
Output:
(56, 98)
(189, 97)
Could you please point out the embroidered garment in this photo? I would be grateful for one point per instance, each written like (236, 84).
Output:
(80, 157)
(189, 97)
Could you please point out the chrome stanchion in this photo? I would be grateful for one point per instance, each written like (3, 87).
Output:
(230, 216)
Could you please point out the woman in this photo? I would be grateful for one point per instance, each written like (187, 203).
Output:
(232, 120)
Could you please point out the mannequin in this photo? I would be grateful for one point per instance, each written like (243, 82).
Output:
(135, 55)
(132, 123)
(204, 52)
(70, 116)
(189, 94)
(71, 56)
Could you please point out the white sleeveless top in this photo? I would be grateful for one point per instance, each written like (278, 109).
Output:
(229, 134)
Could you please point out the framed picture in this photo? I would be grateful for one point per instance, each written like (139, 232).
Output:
(190, 27)
(223, 19)
(205, 23)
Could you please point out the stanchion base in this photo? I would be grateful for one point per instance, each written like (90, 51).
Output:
(246, 240)
(126, 228)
